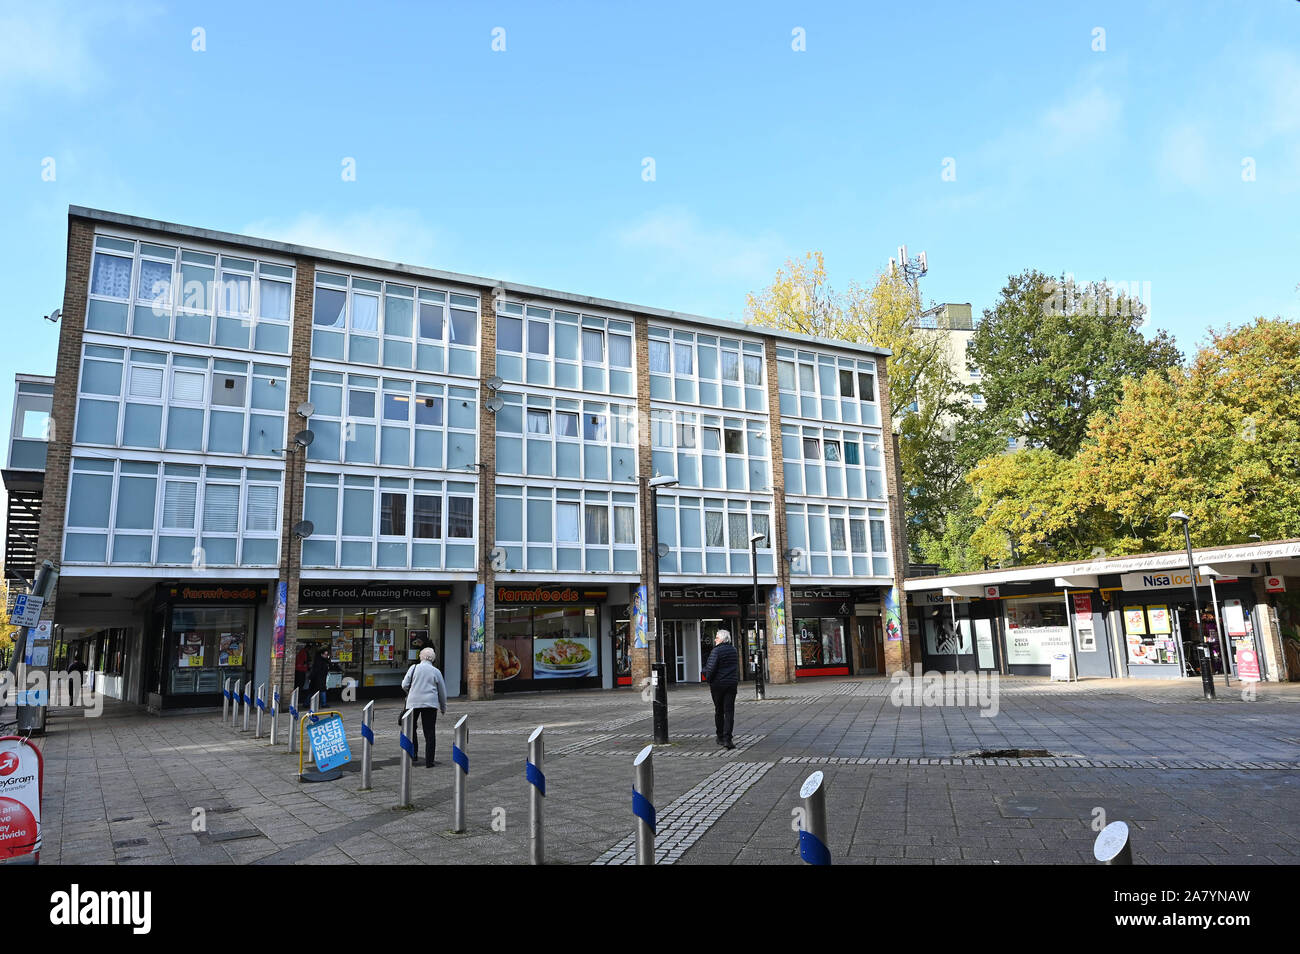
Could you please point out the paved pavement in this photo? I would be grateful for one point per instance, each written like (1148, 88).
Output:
(1198, 782)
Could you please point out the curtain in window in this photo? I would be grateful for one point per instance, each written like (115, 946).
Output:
(753, 369)
(837, 535)
(878, 536)
(146, 382)
(539, 422)
(620, 351)
(730, 366)
(858, 535)
(566, 425)
(713, 529)
(329, 311)
(761, 526)
(597, 525)
(686, 435)
(221, 508)
(684, 358)
(236, 294)
(111, 277)
(738, 530)
(659, 362)
(593, 346)
(275, 299)
(259, 515)
(365, 313)
(155, 281)
(624, 525)
(594, 427)
(188, 386)
(566, 523)
(178, 505)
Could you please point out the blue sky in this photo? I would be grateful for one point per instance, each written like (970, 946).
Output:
(1123, 163)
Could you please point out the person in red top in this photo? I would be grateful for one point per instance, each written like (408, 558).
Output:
(300, 668)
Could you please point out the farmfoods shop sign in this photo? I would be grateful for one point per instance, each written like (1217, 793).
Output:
(547, 594)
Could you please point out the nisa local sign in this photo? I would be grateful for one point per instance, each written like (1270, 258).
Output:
(1161, 580)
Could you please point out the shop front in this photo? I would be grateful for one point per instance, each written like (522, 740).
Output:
(824, 621)
(201, 634)
(548, 637)
(690, 617)
(374, 632)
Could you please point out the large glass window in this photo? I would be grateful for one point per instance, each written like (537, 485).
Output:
(206, 646)
(535, 644)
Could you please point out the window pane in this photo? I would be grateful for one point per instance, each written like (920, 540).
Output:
(460, 517)
(738, 531)
(392, 515)
(593, 346)
(811, 450)
(594, 427)
(111, 276)
(428, 411)
(330, 303)
(753, 369)
(712, 438)
(135, 503)
(365, 313)
(361, 404)
(358, 512)
(684, 358)
(275, 299)
(597, 524)
(866, 386)
(430, 320)
(397, 407)
(221, 508)
(833, 451)
(539, 337)
(510, 334)
(566, 425)
(713, 529)
(807, 384)
(761, 526)
(685, 435)
(837, 534)
(228, 390)
(566, 523)
(858, 535)
(146, 382)
(539, 520)
(236, 294)
(427, 517)
(539, 422)
(878, 536)
(178, 505)
(851, 452)
(785, 375)
(659, 357)
(261, 507)
(735, 441)
(464, 327)
(155, 282)
(730, 366)
(620, 351)
(624, 525)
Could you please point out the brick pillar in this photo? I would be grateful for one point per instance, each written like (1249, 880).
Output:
(780, 658)
(67, 376)
(642, 658)
(481, 678)
(295, 470)
(898, 655)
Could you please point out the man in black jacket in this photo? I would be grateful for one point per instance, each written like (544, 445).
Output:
(723, 673)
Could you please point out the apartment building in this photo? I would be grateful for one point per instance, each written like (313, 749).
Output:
(257, 446)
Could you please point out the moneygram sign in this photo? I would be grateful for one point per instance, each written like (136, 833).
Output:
(20, 799)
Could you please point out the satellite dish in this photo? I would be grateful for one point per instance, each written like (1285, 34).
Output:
(304, 528)
(664, 550)
(494, 383)
(306, 409)
(55, 315)
(304, 438)
(494, 403)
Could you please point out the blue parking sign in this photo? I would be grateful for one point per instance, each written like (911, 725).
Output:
(329, 743)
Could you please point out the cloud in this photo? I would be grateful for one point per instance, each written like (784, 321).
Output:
(394, 234)
(1183, 157)
(1083, 121)
(676, 239)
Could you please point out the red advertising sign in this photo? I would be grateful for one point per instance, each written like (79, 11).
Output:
(1274, 584)
(1083, 604)
(1248, 665)
(991, 592)
(21, 778)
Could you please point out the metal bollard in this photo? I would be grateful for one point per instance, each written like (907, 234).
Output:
(536, 778)
(237, 698)
(248, 704)
(408, 746)
(1112, 845)
(261, 709)
(367, 743)
(293, 722)
(812, 834)
(314, 703)
(460, 759)
(225, 703)
(275, 716)
(643, 794)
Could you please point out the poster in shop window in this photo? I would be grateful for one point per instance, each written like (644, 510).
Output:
(191, 651)
(1135, 621)
(232, 650)
(1158, 617)
(341, 647)
(383, 645)
(1032, 640)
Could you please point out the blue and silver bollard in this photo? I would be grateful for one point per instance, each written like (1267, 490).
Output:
(225, 703)
(1112, 846)
(460, 758)
(238, 698)
(367, 743)
(275, 716)
(248, 702)
(537, 779)
(293, 721)
(261, 709)
(812, 834)
(643, 794)
(407, 742)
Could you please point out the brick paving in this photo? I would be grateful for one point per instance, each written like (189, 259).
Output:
(1198, 782)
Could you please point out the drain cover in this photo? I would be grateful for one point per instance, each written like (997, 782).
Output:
(1010, 754)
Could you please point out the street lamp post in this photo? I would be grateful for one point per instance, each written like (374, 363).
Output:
(1207, 673)
(760, 689)
(660, 671)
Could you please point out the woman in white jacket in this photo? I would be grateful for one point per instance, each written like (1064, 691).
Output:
(426, 693)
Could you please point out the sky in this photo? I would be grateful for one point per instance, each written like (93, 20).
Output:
(672, 154)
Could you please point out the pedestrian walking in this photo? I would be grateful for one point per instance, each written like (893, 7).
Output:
(301, 666)
(426, 695)
(77, 669)
(722, 672)
(318, 674)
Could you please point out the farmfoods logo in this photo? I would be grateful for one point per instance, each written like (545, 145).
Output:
(219, 593)
(538, 595)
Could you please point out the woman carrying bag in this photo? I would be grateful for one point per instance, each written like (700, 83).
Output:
(426, 695)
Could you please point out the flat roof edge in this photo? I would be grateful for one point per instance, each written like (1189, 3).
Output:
(307, 251)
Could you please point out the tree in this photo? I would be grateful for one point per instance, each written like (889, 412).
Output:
(923, 386)
(1052, 354)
